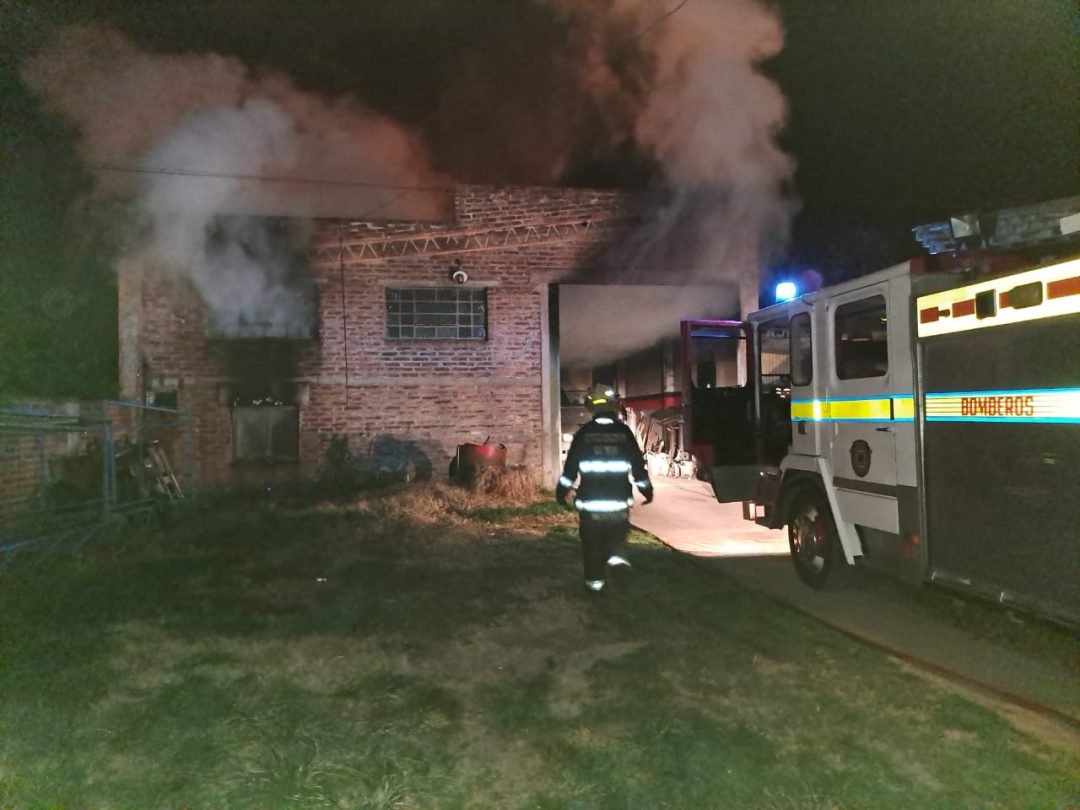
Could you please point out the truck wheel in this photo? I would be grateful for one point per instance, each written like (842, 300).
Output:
(814, 542)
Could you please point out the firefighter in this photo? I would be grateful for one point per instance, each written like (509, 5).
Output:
(604, 454)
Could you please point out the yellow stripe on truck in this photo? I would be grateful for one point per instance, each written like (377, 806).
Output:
(809, 410)
(1046, 405)
(871, 409)
(903, 409)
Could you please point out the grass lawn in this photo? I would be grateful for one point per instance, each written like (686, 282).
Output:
(421, 648)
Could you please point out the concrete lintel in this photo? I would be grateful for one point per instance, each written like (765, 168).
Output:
(371, 382)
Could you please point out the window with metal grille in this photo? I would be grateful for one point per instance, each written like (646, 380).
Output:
(440, 313)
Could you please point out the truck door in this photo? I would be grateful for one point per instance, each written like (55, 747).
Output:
(859, 433)
(718, 406)
(806, 386)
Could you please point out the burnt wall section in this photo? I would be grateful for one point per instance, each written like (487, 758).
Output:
(417, 398)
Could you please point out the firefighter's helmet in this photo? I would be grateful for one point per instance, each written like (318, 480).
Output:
(601, 397)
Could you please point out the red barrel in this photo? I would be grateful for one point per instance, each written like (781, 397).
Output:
(471, 457)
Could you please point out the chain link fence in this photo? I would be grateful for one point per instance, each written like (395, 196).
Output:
(69, 472)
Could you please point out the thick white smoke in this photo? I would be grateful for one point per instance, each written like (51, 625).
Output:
(193, 227)
(680, 79)
(200, 127)
(711, 118)
(705, 109)
(634, 317)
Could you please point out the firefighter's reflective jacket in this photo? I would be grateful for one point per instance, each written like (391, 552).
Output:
(605, 454)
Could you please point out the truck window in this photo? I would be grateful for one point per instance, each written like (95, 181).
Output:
(802, 359)
(775, 360)
(861, 346)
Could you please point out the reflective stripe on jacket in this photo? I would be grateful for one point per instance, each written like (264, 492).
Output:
(604, 454)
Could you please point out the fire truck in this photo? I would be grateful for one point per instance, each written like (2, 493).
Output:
(923, 420)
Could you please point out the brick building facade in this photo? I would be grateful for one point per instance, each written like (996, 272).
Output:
(397, 384)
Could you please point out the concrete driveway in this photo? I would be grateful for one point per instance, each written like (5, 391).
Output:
(686, 517)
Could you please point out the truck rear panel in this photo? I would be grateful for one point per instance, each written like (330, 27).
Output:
(1000, 413)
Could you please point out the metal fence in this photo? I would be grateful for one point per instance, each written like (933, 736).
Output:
(69, 472)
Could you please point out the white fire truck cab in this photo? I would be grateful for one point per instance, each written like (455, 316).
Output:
(925, 423)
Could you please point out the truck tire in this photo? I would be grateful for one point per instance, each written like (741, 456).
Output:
(814, 542)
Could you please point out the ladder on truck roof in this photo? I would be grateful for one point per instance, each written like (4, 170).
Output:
(1043, 225)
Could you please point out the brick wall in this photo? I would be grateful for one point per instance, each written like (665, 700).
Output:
(21, 470)
(32, 447)
(423, 397)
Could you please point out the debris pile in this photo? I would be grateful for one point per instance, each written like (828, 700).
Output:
(508, 484)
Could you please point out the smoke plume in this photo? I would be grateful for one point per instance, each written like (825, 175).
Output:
(710, 118)
(533, 94)
(199, 128)
(636, 317)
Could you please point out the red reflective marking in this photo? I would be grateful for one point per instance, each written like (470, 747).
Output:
(1020, 405)
(928, 315)
(1063, 287)
(1003, 300)
(962, 308)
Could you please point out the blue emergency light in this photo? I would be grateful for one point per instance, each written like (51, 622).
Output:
(786, 291)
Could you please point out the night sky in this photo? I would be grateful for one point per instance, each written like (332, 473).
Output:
(900, 112)
(907, 112)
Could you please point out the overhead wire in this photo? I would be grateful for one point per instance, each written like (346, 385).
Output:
(263, 178)
(401, 190)
(113, 167)
(660, 19)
